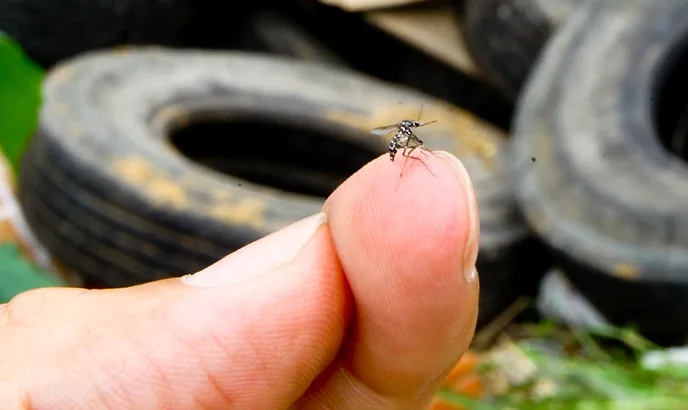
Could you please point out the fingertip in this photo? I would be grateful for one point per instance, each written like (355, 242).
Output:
(415, 220)
(401, 231)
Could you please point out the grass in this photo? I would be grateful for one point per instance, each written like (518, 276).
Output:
(607, 369)
(20, 99)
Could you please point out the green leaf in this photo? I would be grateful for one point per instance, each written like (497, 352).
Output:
(457, 399)
(17, 274)
(20, 99)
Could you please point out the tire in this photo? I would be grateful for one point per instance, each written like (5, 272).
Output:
(274, 32)
(505, 36)
(590, 171)
(104, 191)
(52, 30)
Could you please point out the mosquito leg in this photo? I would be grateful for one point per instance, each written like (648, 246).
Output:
(405, 161)
(423, 149)
(403, 153)
(418, 144)
(408, 155)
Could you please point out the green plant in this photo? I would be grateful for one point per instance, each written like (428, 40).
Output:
(18, 274)
(20, 99)
(595, 377)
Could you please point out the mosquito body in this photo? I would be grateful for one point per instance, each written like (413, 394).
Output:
(404, 138)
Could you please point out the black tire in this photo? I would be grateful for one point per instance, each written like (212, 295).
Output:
(602, 190)
(111, 199)
(505, 36)
(52, 30)
(275, 32)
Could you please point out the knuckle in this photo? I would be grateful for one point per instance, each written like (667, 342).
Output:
(22, 305)
(28, 303)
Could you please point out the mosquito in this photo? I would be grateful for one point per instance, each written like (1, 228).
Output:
(405, 138)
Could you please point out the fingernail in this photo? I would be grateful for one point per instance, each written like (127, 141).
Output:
(473, 241)
(472, 274)
(260, 257)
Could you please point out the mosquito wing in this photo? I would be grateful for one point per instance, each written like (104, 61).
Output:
(414, 142)
(382, 131)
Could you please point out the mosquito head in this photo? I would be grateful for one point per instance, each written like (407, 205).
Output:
(409, 123)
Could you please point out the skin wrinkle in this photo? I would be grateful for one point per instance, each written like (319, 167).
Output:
(278, 355)
(360, 394)
(298, 341)
(358, 388)
(215, 386)
(330, 327)
(198, 404)
(255, 351)
(242, 342)
(146, 364)
(99, 393)
(138, 340)
(209, 344)
(80, 364)
(302, 339)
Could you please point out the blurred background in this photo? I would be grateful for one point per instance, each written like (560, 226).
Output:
(147, 139)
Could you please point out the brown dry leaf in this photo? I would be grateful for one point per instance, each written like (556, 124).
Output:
(462, 379)
(439, 404)
(470, 385)
(464, 367)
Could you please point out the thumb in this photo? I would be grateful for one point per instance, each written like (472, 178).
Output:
(252, 331)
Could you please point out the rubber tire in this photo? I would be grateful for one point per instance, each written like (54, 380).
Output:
(275, 32)
(107, 195)
(505, 37)
(590, 173)
(52, 30)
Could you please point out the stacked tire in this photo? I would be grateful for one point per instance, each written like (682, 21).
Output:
(593, 147)
(505, 37)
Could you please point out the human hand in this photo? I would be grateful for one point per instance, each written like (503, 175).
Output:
(367, 305)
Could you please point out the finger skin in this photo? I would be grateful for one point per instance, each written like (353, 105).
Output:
(169, 346)
(402, 249)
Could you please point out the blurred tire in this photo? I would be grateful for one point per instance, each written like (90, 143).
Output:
(505, 36)
(590, 171)
(275, 32)
(53, 30)
(105, 191)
